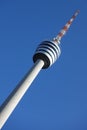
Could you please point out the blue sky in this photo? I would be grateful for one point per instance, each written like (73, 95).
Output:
(57, 99)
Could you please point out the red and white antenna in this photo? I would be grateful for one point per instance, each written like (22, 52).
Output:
(65, 28)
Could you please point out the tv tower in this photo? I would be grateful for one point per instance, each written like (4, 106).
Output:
(46, 54)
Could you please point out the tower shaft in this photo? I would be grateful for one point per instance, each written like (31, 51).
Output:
(13, 99)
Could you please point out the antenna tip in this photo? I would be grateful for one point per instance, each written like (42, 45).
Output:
(77, 12)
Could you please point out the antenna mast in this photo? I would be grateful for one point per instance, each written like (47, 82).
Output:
(63, 31)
